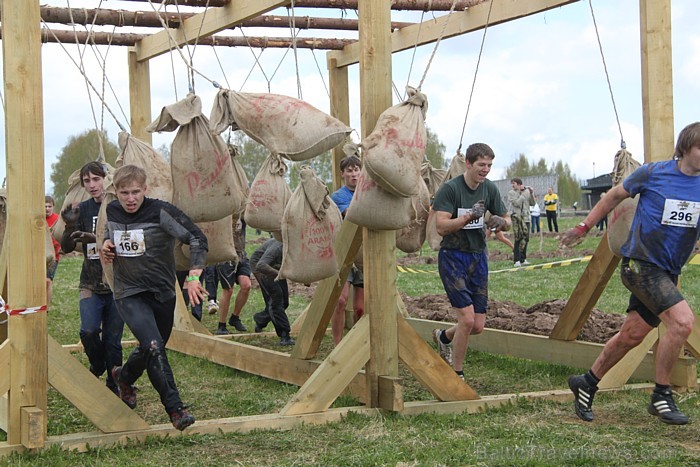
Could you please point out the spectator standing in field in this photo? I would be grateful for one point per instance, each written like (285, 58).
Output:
(350, 172)
(101, 327)
(51, 219)
(551, 205)
(459, 208)
(535, 216)
(520, 198)
(266, 262)
(139, 242)
(662, 238)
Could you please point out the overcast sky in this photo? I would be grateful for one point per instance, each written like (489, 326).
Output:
(541, 88)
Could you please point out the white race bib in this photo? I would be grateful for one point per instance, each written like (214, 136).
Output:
(681, 213)
(92, 252)
(473, 224)
(129, 242)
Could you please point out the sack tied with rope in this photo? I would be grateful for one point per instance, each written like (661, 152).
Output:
(620, 218)
(220, 239)
(309, 227)
(410, 239)
(204, 186)
(141, 154)
(377, 209)
(394, 151)
(457, 168)
(268, 196)
(286, 126)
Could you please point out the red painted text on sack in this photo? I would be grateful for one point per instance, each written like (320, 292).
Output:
(195, 182)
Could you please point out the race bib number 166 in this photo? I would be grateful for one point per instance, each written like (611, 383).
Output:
(681, 213)
(129, 242)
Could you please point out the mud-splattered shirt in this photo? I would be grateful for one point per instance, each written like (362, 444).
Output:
(455, 195)
(145, 242)
(665, 226)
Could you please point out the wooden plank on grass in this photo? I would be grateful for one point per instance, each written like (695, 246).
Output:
(587, 292)
(429, 368)
(254, 360)
(571, 353)
(334, 374)
(33, 421)
(69, 377)
(618, 375)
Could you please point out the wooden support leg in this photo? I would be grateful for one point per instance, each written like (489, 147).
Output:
(69, 377)
(321, 308)
(587, 292)
(334, 374)
(618, 375)
(693, 342)
(428, 368)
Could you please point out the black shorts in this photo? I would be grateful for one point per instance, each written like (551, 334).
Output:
(654, 290)
(229, 271)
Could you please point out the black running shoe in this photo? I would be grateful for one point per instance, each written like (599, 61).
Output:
(663, 406)
(181, 418)
(127, 392)
(583, 397)
(237, 324)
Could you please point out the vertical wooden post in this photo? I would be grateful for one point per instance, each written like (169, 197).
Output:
(340, 109)
(139, 97)
(26, 223)
(379, 246)
(657, 79)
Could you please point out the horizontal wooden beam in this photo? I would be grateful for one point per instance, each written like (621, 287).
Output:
(459, 22)
(204, 24)
(130, 39)
(153, 19)
(419, 5)
(196, 3)
(571, 353)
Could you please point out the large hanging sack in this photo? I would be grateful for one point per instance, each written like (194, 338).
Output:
(268, 196)
(285, 125)
(220, 238)
(432, 177)
(138, 153)
(393, 152)
(431, 234)
(204, 186)
(376, 209)
(239, 174)
(309, 227)
(410, 239)
(620, 219)
(457, 167)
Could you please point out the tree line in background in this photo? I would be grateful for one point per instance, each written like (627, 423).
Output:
(569, 187)
(85, 147)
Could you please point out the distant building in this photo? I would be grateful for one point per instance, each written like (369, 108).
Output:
(593, 188)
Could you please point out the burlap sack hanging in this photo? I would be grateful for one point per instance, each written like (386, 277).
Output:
(268, 196)
(285, 125)
(141, 154)
(431, 234)
(393, 152)
(204, 186)
(220, 239)
(410, 239)
(432, 177)
(457, 167)
(239, 174)
(620, 219)
(376, 209)
(310, 224)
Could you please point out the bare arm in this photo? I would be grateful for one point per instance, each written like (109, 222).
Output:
(606, 204)
(446, 225)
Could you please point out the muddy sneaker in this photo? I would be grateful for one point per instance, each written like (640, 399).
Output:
(517, 264)
(583, 397)
(663, 406)
(525, 262)
(213, 307)
(221, 331)
(181, 419)
(286, 340)
(445, 350)
(127, 392)
(236, 322)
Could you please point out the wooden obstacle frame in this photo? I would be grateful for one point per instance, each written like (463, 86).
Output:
(365, 363)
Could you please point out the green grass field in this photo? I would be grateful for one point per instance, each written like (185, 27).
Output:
(526, 433)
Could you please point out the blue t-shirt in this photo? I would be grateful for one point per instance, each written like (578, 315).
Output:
(342, 198)
(665, 226)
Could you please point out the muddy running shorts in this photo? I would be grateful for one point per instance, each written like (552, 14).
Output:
(465, 277)
(654, 290)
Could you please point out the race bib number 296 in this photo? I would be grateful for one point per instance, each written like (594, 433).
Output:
(681, 213)
(129, 242)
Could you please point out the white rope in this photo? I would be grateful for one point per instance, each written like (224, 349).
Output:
(318, 67)
(413, 55)
(294, 32)
(437, 42)
(221, 66)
